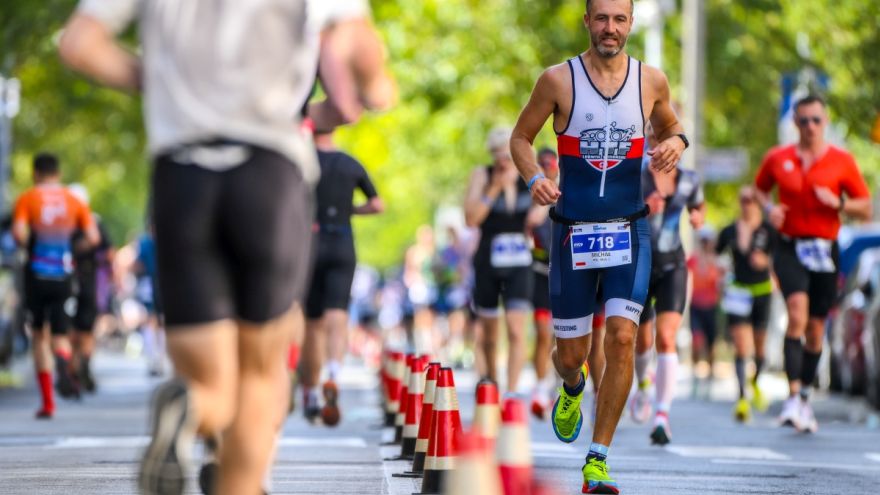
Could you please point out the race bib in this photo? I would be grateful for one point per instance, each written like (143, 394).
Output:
(815, 255)
(510, 250)
(600, 245)
(737, 301)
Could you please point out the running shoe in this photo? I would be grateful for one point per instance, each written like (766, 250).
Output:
(311, 406)
(791, 412)
(85, 377)
(759, 402)
(44, 414)
(567, 417)
(210, 469)
(330, 413)
(661, 434)
(640, 405)
(807, 420)
(167, 459)
(539, 404)
(65, 383)
(742, 411)
(596, 479)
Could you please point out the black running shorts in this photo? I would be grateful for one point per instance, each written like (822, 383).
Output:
(703, 320)
(541, 292)
(667, 291)
(759, 318)
(232, 244)
(332, 273)
(86, 304)
(821, 287)
(513, 285)
(44, 300)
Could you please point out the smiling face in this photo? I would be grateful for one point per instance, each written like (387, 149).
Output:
(609, 23)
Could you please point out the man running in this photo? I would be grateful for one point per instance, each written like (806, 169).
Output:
(332, 273)
(817, 182)
(499, 203)
(541, 233)
(599, 101)
(231, 187)
(668, 196)
(44, 219)
(87, 261)
(706, 279)
(751, 242)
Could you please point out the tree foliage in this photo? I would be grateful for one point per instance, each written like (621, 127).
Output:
(463, 67)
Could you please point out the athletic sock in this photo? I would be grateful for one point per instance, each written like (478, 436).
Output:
(577, 390)
(667, 374)
(740, 364)
(643, 360)
(793, 351)
(597, 451)
(333, 368)
(44, 378)
(759, 366)
(808, 375)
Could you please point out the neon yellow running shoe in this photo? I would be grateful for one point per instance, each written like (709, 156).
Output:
(742, 411)
(567, 417)
(759, 402)
(596, 479)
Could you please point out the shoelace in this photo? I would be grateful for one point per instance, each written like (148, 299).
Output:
(601, 466)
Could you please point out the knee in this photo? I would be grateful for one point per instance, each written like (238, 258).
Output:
(620, 338)
(569, 359)
(217, 406)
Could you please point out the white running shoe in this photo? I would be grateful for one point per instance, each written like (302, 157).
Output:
(791, 413)
(640, 406)
(807, 420)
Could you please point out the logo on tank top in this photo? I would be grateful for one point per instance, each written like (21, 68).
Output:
(596, 142)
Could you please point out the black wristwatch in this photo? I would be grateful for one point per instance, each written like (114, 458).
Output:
(684, 139)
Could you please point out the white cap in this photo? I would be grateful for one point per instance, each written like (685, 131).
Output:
(79, 191)
(499, 137)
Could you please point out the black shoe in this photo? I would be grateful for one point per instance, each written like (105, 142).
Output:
(85, 377)
(209, 471)
(167, 458)
(65, 383)
(659, 436)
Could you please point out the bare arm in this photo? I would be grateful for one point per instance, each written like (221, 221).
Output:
(373, 205)
(858, 208)
(541, 104)
(87, 46)
(21, 233)
(479, 200)
(666, 155)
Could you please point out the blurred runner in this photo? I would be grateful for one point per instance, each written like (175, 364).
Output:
(44, 219)
(232, 185)
(334, 261)
(452, 270)
(147, 291)
(668, 196)
(87, 261)
(707, 276)
(751, 242)
(421, 291)
(599, 101)
(817, 183)
(541, 228)
(498, 202)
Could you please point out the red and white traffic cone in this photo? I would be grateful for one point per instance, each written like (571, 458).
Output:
(414, 396)
(447, 429)
(514, 451)
(487, 415)
(475, 471)
(395, 375)
(400, 419)
(425, 424)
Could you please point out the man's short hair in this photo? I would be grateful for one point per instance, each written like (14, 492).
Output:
(808, 100)
(46, 164)
(632, 6)
(546, 151)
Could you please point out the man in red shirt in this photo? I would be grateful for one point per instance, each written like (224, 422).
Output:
(816, 183)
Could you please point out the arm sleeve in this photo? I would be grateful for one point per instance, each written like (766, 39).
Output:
(853, 182)
(764, 178)
(364, 183)
(116, 15)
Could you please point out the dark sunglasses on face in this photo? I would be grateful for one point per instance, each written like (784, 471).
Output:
(803, 121)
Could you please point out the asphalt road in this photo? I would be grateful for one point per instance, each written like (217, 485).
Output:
(91, 447)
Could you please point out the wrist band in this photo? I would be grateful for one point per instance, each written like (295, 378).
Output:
(532, 181)
(486, 200)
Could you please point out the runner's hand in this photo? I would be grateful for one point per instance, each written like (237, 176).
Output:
(826, 197)
(666, 155)
(697, 218)
(777, 216)
(655, 203)
(545, 192)
(759, 260)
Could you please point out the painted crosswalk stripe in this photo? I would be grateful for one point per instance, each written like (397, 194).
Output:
(873, 456)
(705, 452)
(93, 442)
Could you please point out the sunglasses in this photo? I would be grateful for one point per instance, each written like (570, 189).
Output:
(803, 121)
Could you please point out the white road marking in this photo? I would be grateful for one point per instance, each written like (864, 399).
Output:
(756, 453)
(873, 456)
(798, 464)
(95, 442)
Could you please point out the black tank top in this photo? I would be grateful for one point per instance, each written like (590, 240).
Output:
(341, 174)
(763, 239)
(500, 220)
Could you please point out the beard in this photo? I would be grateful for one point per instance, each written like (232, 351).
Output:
(604, 52)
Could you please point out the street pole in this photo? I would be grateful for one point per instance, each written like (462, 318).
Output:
(9, 104)
(693, 77)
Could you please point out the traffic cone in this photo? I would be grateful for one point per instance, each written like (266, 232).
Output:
(514, 451)
(395, 375)
(487, 415)
(400, 419)
(475, 472)
(446, 430)
(425, 425)
(384, 377)
(414, 396)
